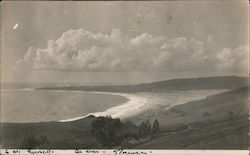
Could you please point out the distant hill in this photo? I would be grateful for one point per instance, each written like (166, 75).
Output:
(219, 82)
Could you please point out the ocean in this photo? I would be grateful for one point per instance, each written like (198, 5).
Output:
(21, 103)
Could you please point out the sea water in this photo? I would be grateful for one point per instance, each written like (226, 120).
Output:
(29, 105)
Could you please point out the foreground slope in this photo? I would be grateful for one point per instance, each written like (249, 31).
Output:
(60, 135)
(217, 122)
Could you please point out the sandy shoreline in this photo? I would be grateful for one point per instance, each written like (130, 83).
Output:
(138, 104)
(133, 106)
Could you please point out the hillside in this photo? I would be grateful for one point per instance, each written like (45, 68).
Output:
(60, 135)
(220, 82)
(217, 122)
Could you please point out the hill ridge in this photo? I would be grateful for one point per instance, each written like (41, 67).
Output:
(215, 82)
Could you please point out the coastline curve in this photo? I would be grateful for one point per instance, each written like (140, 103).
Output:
(134, 103)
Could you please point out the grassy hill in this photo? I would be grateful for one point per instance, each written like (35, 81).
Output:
(217, 122)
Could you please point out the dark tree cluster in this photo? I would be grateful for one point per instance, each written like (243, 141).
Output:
(146, 130)
(110, 132)
(106, 130)
(31, 142)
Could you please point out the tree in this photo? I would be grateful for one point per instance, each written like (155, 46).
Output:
(106, 129)
(144, 129)
(31, 142)
(141, 130)
(148, 128)
(42, 140)
(156, 128)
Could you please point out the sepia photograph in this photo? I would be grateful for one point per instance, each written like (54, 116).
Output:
(141, 75)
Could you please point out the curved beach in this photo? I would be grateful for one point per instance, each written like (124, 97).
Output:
(31, 105)
(134, 106)
(131, 106)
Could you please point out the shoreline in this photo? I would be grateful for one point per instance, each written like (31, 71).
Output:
(133, 106)
(224, 130)
(134, 103)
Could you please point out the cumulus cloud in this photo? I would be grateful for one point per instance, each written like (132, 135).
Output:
(83, 50)
(235, 59)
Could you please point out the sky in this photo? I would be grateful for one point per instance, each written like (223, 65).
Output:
(122, 42)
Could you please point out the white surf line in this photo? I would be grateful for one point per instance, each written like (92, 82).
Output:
(133, 106)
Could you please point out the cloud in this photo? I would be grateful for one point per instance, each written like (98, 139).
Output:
(83, 50)
(235, 59)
